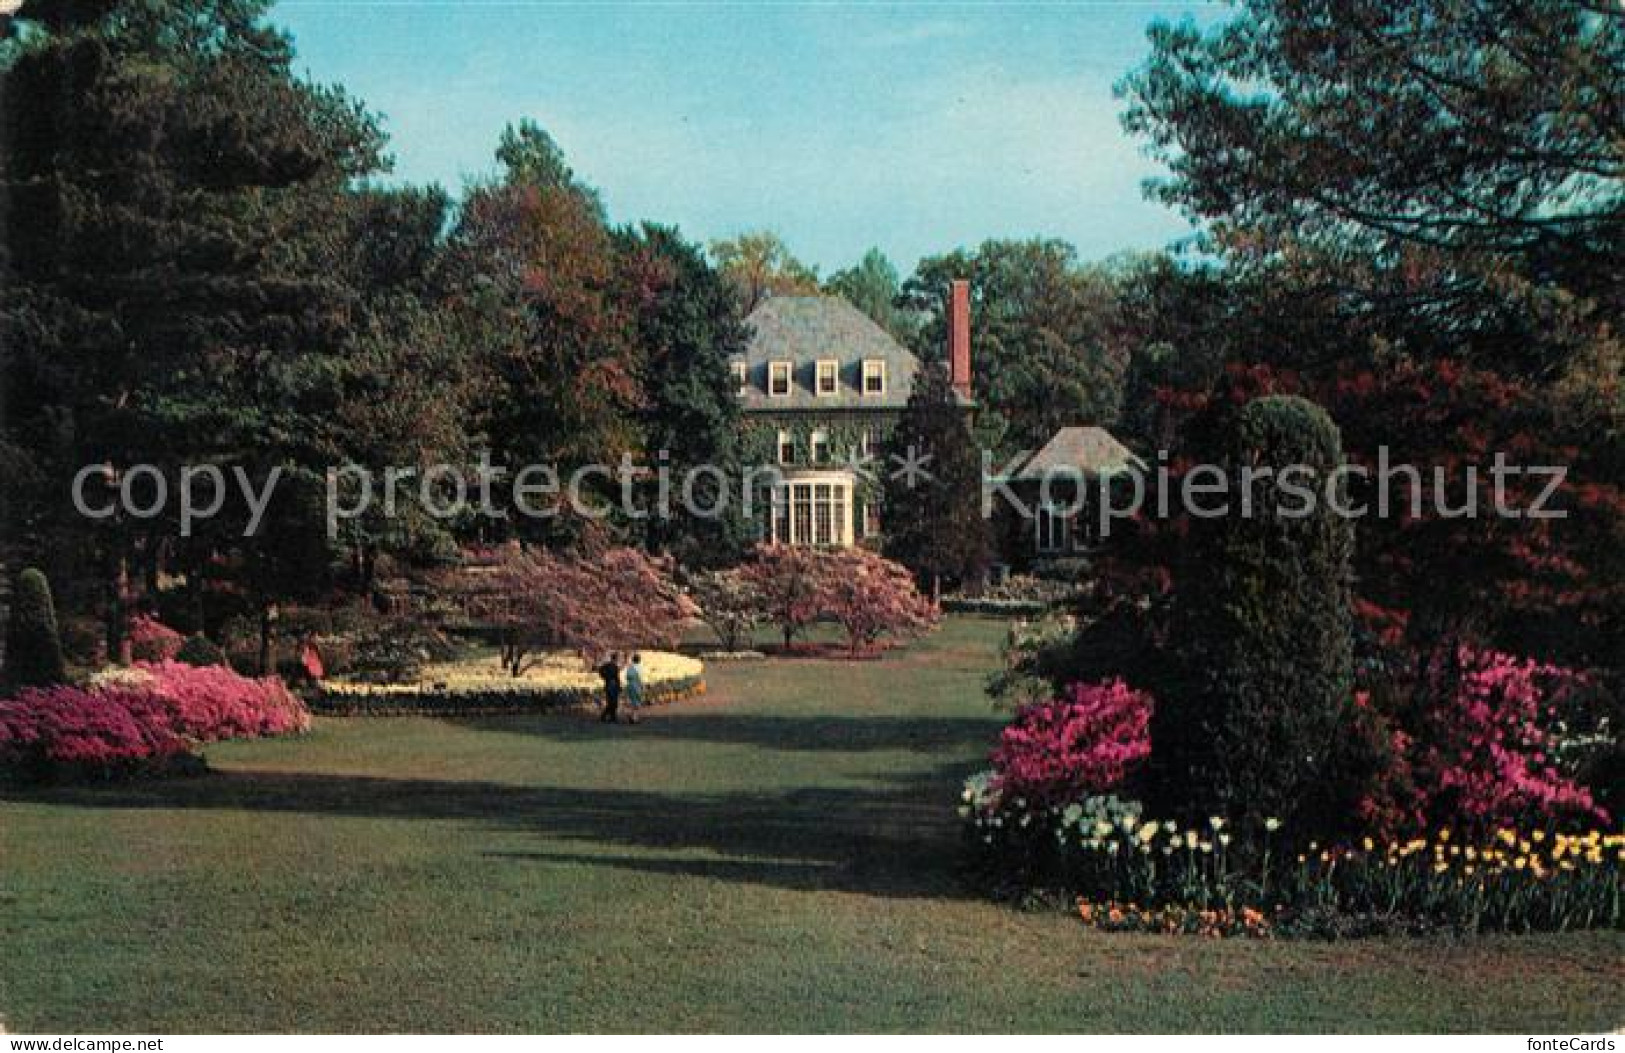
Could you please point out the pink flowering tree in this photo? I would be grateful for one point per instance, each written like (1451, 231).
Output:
(873, 598)
(1085, 742)
(1490, 755)
(791, 582)
(591, 603)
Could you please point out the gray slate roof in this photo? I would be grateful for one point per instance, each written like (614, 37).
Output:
(1092, 451)
(804, 329)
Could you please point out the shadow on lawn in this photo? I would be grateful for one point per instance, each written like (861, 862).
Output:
(889, 842)
(821, 733)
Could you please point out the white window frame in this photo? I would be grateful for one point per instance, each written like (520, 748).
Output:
(741, 374)
(776, 371)
(785, 443)
(818, 447)
(833, 367)
(1054, 529)
(874, 368)
(815, 512)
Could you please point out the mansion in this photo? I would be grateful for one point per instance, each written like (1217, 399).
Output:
(821, 385)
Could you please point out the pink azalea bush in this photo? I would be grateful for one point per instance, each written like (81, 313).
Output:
(153, 641)
(140, 720)
(1491, 757)
(214, 702)
(1083, 743)
(71, 730)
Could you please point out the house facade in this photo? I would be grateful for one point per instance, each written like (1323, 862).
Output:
(1062, 486)
(821, 386)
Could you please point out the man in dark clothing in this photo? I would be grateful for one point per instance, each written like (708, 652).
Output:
(610, 671)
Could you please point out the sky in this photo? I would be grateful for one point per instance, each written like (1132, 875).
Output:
(915, 127)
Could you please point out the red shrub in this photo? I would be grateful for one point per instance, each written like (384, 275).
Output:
(1067, 748)
(69, 730)
(214, 702)
(1490, 757)
(153, 641)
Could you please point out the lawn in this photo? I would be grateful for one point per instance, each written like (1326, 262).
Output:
(778, 856)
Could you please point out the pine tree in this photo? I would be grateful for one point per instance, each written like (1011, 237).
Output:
(689, 327)
(932, 522)
(173, 288)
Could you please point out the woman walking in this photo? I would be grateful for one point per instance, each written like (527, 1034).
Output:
(634, 688)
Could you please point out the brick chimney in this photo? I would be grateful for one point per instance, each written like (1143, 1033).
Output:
(959, 336)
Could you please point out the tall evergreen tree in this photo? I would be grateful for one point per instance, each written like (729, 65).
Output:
(932, 522)
(1263, 628)
(169, 290)
(33, 647)
(872, 286)
(689, 329)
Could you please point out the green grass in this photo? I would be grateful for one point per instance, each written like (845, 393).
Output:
(779, 856)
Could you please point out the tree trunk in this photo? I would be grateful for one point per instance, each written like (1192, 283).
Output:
(119, 646)
(267, 615)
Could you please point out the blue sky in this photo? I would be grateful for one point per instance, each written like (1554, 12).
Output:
(915, 127)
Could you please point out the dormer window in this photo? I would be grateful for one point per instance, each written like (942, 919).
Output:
(829, 376)
(778, 379)
(874, 376)
(741, 374)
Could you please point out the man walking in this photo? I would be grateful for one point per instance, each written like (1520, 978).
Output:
(610, 672)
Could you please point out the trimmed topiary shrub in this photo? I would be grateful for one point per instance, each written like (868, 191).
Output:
(199, 650)
(1262, 631)
(33, 648)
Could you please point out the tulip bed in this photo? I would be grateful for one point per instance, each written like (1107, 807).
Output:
(1130, 872)
(479, 685)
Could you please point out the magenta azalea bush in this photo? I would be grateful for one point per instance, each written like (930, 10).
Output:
(96, 732)
(1491, 756)
(140, 720)
(1067, 748)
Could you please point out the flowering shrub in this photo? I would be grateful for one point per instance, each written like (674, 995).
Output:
(214, 702)
(1491, 755)
(1066, 748)
(153, 641)
(73, 732)
(209, 703)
